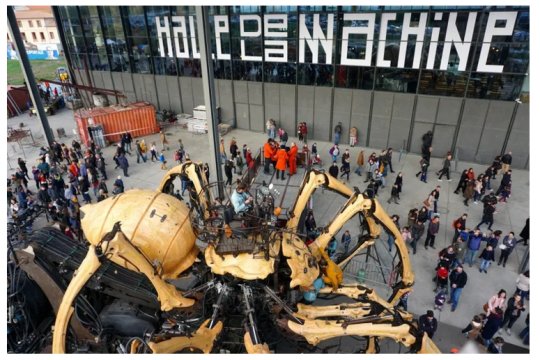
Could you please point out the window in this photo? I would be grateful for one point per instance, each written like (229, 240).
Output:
(42, 35)
(24, 36)
(34, 37)
(38, 23)
(397, 80)
(19, 24)
(51, 35)
(30, 23)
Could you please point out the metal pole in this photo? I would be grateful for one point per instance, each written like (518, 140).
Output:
(207, 70)
(28, 74)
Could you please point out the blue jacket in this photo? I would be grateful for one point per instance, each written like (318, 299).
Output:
(474, 242)
(238, 200)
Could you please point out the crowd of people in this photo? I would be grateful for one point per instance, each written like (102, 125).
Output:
(66, 175)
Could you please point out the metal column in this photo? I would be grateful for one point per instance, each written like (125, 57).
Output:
(207, 70)
(28, 74)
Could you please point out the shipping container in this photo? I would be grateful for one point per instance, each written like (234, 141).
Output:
(138, 118)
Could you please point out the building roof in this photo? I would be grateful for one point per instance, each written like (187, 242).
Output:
(33, 12)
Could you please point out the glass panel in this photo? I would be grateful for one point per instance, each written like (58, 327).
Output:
(247, 70)
(313, 74)
(164, 66)
(446, 83)
(189, 67)
(245, 9)
(521, 30)
(222, 69)
(398, 80)
(495, 86)
(355, 77)
(514, 57)
(280, 73)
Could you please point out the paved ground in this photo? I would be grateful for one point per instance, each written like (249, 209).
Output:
(509, 217)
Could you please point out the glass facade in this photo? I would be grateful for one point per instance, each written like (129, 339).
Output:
(410, 49)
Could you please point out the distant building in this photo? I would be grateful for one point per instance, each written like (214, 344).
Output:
(38, 28)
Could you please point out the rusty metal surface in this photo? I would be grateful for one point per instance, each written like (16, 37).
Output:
(137, 118)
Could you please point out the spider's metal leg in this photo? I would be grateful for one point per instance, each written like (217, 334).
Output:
(315, 331)
(252, 341)
(119, 249)
(203, 340)
(85, 271)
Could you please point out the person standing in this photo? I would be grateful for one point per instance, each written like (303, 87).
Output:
(163, 140)
(505, 182)
(507, 246)
(281, 158)
(424, 165)
(337, 133)
(228, 172)
(433, 229)
(427, 140)
(524, 234)
(436, 194)
(359, 163)
(492, 325)
(389, 154)
(162, 161)
(523, 284)
(473, 245)
(462, 181)
(346, 164)
(153, 152)
(22, 166)
(371, 166)
(512, 313)
(496, 301)
(399, 182)
(222, 153)
(293, 152)
(458, 280)
(487, 256)
(353, 136)
(271, 128)
(124, 165)
(268, 155)
(446, 168)
(334, 170)
(391, 239)
(394, 194)
(138, 150)
(459, 224)
(506, 162)
(428, 324)
(417, 230)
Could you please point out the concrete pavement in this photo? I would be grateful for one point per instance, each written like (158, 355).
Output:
(480, 287)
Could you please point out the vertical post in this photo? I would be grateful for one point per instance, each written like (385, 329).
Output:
(207, 70)
(28, 74)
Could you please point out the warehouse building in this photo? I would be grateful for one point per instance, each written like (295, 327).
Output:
(393, 72)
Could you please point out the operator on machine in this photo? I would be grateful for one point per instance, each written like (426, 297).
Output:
(241, 200)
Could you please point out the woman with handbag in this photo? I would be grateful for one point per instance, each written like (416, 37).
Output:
(496, 301)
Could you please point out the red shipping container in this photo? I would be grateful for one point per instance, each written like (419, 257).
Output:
(138, 118)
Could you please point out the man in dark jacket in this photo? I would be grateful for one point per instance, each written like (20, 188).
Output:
(487, 216)
(525, 233)
(417, 230)
(124, 165)
(100, 162)
(428, 324)
(433, 229)
(334, 170)
(427, 139)
(446, 168)
(458, 280)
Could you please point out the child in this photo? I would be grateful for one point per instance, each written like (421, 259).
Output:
(153, 152)
(440, 299)
(441, 279)
(314, 148)
(178, 157)
(163, 161)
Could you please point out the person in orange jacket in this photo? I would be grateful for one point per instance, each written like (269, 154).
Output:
(268, 155)
(281, 158)
(292, 159)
